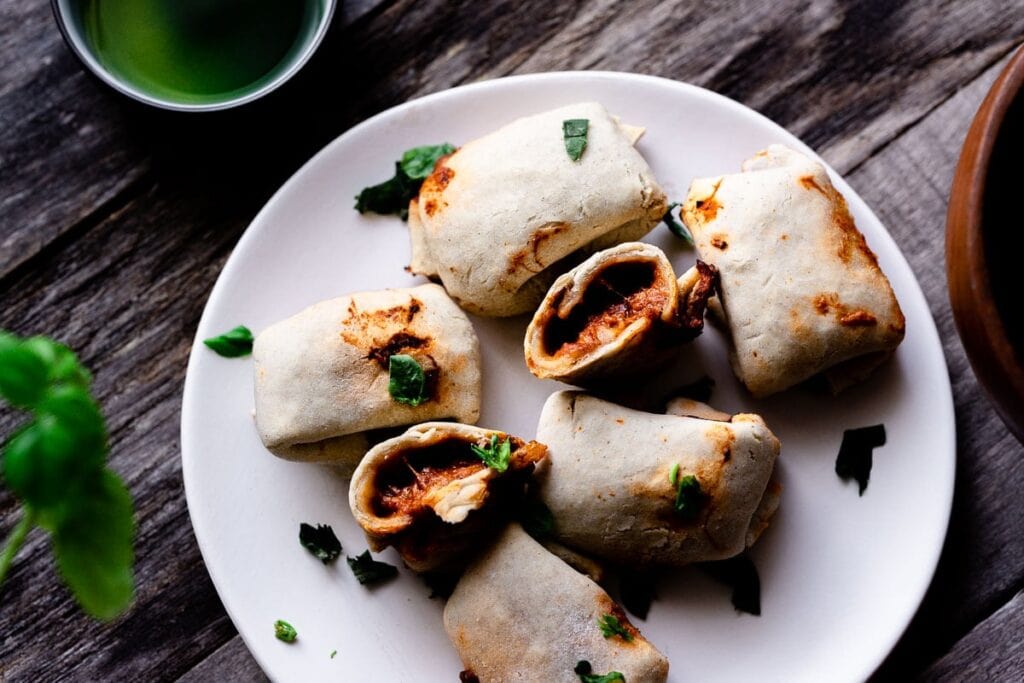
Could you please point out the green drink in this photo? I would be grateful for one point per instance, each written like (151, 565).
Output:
(195, 52)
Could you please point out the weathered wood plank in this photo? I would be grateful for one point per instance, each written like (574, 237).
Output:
(992, 651)
(847, 76)
(127, 296)
(231, 661)
(982, 565)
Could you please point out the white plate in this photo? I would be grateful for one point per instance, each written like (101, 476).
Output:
(841, 575)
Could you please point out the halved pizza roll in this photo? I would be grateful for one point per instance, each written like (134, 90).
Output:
(431, 495)
(521, 614)
(621, 311)
(499, 217)
(322, 376)
(801, 292)
(649, 489)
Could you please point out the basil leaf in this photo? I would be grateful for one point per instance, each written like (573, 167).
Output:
(611, 626)
(536, 519)
(418, 163)
(855, 454)
(369, 570)
(495, 455)
(574, 133)
(234, 343)
(320, 541)
(60, 360)
(393, 195)
(677, 228)
(583, 670)
(23, 375)
(740, 574)
(93, 546)
(285, 631)
(689, 497)
(407, 383)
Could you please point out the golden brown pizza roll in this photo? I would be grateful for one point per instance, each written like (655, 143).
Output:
(500, 217)
(619, 313)
(521, 614)
(432, 495)
(801, 292)
(322, 376)
(641, 488)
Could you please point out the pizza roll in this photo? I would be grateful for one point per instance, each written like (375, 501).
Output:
(620, 312)
(431, 495)
(648, 489)
(500, 217)
(322, 376)
(801, 292)
(521, 614)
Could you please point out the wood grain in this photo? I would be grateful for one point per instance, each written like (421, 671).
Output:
(992, 651)
(115, 221)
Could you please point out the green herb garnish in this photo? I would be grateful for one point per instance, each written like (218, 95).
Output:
(611, 626)
(285, 631)
(233, 343)
(495, 455)
(407, 382)
(320, 541)
(536, 518)
(854, 459)
(55, 464)
(333, 653)
(689, 497)
(673, 475)
(677, 228)
(369, 570)
(583, 670)
(574, 131)
(393, 196)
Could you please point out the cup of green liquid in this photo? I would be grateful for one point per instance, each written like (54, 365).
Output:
(194, 55)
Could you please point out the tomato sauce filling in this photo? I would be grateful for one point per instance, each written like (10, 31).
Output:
(618, 296)
(404, 480)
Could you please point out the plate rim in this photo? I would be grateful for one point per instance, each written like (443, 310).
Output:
(188, 462)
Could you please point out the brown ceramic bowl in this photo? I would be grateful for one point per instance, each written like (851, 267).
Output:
(985, 244)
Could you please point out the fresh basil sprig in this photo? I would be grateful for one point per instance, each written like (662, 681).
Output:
(495, 454)
(393, 195)
(55, 463)
(574, 133)
(234, 343)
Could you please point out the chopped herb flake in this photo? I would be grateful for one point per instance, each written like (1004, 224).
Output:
(320, 541)
(407, 382)
(333, 653)
(689, 497)
(233, 343)
(536, 518)
(574, 132)
(495, 455)
(677, 228)
(285, 631)
(854, 459)
(583, 670)
(393, 195)
(611, 626)
(740, 574)
(673, 475)
(369, 570)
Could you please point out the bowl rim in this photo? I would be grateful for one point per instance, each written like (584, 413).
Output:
(90, 62)
(978, 320)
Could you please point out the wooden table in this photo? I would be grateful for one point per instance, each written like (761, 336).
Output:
(115, 220)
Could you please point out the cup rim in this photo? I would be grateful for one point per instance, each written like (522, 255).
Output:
(90, 62)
